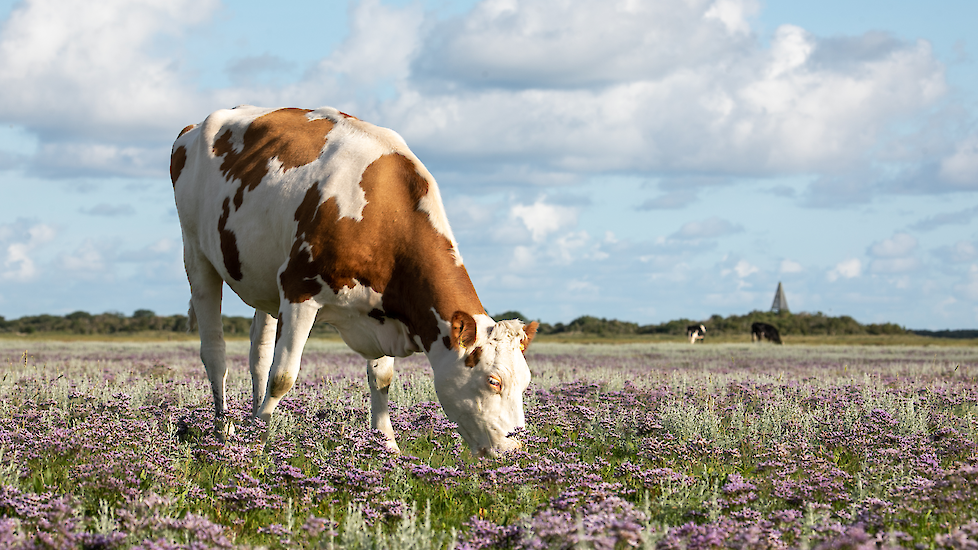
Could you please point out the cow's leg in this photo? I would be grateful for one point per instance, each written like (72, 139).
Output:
(296, 321)
(379, 375)
(206, 287)
(260, 358)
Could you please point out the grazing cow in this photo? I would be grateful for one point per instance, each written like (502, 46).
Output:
(764, 331)
(695, 332)
(316, 215)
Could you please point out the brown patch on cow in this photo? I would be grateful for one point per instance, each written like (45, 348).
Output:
(186, 129)
(394, 249)
(285, 134)
(177, 161)
(278, 332)
(463, 333)
(531, 332)
(347, 116)
(473, 358)
(229, 244)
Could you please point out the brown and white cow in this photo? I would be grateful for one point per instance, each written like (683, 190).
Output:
(316, 215)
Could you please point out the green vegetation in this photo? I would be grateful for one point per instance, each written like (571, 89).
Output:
(115, 323)
(109, 445)
(799, 328)
(789, 324)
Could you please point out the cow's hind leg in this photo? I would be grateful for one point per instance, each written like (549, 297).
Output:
(206, 287)
(296, 321)
(260, 359)
(379, 375)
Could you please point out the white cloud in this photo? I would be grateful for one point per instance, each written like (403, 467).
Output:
(790, 266)
(548, 81)
(846, 269)
(542, 219)
(894, 255)
(899, 245)
(86, 68)
(744, 268)
(89, 261)
(380, 46)
(18, 241)
(961, 167)
(733, 14)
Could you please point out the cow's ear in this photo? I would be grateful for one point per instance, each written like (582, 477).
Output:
(530, 331)
(463, 330)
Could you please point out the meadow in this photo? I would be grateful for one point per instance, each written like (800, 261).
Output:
(107, 445)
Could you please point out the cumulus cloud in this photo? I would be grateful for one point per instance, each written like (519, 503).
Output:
(542, 219)
(83, 69)
(894, 255)
(18, 241)
(669, 89)
(846, 269)
(94, 84)
(560, 87)
(89, 261)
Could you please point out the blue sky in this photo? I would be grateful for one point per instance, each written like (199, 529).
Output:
(639, 160)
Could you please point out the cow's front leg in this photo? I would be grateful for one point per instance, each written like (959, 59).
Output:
(295, 322)
(260, 359)
(379, 375)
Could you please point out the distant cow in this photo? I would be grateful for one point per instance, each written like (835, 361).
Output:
(695, 332)
(316, 215)
(764, 331)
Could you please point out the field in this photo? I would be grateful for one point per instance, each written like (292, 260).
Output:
(107, 445)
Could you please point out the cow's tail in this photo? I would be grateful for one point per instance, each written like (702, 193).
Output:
(191, 318)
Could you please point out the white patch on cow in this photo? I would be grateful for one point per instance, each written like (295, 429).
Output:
(237, 120)
(348, 311)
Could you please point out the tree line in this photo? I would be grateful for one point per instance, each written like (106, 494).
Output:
(815, 324)
(81, 322)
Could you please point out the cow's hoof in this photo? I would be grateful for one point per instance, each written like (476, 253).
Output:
(223, 429)
(392, 447)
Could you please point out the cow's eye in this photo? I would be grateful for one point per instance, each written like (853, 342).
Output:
(495, 383)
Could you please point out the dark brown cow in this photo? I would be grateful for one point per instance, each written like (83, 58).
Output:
(763, 331)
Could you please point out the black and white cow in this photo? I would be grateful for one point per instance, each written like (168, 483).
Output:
(695, 332)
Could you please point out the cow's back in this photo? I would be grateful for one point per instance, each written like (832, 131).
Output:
(316, 205)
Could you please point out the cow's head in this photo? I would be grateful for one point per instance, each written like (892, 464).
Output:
(483, 389)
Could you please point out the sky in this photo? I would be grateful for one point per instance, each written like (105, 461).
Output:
(638, 160)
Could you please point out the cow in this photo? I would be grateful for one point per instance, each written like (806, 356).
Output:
(763, 331)
(695, 332)
(315, 215)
